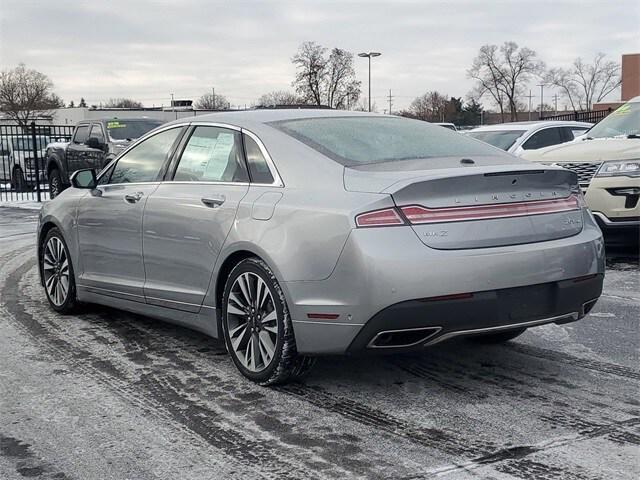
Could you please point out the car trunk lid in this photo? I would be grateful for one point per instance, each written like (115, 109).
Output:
(477, 207)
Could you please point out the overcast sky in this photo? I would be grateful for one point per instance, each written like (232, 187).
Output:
(147, 50)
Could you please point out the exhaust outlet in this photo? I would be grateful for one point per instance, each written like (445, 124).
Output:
(407, 337)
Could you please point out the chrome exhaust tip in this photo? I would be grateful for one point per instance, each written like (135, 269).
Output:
(407, 337)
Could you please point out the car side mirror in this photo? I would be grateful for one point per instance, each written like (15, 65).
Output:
(93, 142)
(84, 179)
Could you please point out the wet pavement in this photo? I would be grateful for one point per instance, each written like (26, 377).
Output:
(109, 395)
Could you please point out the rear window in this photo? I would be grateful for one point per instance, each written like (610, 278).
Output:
(363, 140)
(127, 130)
(503, 139)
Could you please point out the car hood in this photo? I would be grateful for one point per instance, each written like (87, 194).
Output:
(595, 150)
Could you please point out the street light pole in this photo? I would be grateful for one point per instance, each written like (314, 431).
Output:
(369, 55)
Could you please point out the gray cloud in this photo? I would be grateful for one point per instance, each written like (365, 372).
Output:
(149, 49)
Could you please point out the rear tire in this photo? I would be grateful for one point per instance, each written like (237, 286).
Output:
(499, 337)
(257, 326)
(57, 273)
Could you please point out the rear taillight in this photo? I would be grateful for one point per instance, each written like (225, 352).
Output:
(417, 214)
(379, 218)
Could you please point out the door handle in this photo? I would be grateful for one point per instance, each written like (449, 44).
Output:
(214, 201)
(133, 197)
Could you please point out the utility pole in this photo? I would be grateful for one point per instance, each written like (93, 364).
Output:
(213, 97)
(555, 103)
(530, 97)
(541, 85)
(390, 101)
(173, 106)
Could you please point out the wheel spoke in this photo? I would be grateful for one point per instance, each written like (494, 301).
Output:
(270, 317)
(267, 344)
(255, 351)
(240, 338)
(237, 300)
(244, 287)
(233, 310)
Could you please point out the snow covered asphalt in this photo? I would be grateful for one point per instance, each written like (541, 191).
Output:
(110, 395)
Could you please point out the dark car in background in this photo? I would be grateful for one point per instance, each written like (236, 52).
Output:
(93, 145)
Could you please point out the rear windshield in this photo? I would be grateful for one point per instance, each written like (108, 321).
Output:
(124, 130)
(503, 139)
(363, 140)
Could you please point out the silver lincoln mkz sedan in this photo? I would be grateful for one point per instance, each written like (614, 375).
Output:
(298, 233)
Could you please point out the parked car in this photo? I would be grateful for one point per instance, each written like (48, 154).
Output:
(607, 161)
(448, 125)
(518, 137)
(297, 233)
(94, 144)
(17, 163)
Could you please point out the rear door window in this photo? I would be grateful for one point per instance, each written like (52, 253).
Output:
(257, 163)
(212, 154)
(544, 138)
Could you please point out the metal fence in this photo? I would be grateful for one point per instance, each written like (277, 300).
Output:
(592, 116)
(23, 149)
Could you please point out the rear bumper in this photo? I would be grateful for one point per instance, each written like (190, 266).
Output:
(433, 321)
(390, 268)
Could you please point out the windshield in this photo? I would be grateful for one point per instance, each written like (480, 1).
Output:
(624, 121)
(503, 139)
(123, 130)
(25, 144)
(354, 141)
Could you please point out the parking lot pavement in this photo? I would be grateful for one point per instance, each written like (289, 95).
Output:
(109, 395)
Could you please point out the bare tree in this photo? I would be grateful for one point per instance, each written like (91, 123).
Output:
(502, 72)
(279, 97)
(431, 107)
(82, 103)
(209, 101)
(586, 83)
(122, 103)
(342, 85)
(322, 80)
(25, 93)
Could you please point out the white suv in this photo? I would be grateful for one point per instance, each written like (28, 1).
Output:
(518, 137)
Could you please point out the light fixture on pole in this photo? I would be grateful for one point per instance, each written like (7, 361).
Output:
(369, 55)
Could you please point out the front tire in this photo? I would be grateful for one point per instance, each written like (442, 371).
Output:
(57, 273)
(257, 326)
(18, 182)
(55, 183)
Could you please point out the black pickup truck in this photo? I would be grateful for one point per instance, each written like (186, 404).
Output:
(94, 144)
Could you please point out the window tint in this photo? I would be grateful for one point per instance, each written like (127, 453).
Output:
(573, 132)
(543, 138)
(82, 133)
(144, 161)
(503, 139)
(212, 154)
(360, 140)
(96, 132)
(104, 178)
(258, 167)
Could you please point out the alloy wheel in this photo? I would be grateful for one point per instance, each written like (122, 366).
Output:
(55, 267)
(54, 186)
(252, 322)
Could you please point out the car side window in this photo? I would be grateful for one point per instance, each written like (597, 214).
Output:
(144, 162)
(212, 154)
(81, 135)
(96, 132)
(258, 166)
(573, 132)
(543, 138)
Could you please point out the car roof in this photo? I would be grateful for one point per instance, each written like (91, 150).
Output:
(531, 125)
(273, 115)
